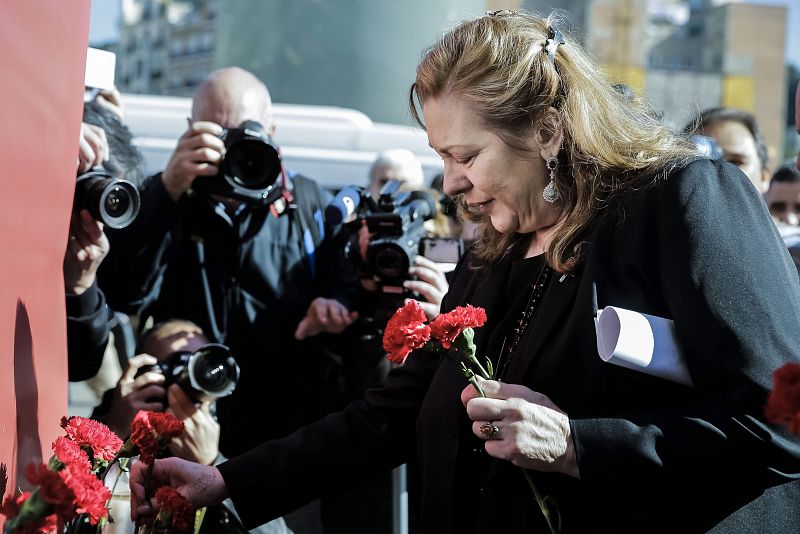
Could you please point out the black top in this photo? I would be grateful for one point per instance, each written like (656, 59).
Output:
(697, 247)
(88, 326)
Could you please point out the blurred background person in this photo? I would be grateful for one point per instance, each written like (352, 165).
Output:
(783, 195)
(737, 133)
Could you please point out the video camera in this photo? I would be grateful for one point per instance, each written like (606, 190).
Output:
(208, 373)
(395, 221)
(112, 201)
(250, 169)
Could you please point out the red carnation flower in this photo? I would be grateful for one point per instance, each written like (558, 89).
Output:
(174, 504)
(11, 505)
(783, 403)
(68, 452)
(166, 425)
(52, 490)
(446, 327)
(89, 433)
(40, 525)
(405, 331)
(148, 427)
(90, 494)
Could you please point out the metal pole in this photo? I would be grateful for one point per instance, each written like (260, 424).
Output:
(399, 501)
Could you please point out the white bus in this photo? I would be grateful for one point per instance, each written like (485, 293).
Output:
(334, 146)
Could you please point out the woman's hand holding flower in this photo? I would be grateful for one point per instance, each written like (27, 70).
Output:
(533, 433)
(202, 485)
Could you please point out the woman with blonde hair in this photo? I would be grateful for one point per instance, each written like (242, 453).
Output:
(583, 200)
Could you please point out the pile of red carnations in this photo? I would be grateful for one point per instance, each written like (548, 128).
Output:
(70, 489)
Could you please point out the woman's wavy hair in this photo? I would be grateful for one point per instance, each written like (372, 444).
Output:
(498, 64)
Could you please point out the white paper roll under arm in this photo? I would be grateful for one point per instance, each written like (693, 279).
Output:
(641, 342)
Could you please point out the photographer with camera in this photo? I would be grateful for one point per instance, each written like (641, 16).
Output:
(390, 224)
(178, 370)
(107, 162)
(230, 240)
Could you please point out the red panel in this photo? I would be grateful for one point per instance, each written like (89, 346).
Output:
(42, 56)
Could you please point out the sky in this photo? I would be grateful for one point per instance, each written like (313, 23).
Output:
(105, 20)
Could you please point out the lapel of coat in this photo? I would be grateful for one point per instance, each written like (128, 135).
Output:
(553, 312)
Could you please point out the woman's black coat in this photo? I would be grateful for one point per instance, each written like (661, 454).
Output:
(697, 247)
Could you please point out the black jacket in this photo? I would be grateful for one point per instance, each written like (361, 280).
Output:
(88, 326)
(654, 456)
(261, 273)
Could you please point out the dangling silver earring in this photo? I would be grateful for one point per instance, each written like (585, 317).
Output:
(550, 193)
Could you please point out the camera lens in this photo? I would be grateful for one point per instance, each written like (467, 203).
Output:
(117, 201)
(253, 164)
(213, 372)
(110, 200)
(391, 263)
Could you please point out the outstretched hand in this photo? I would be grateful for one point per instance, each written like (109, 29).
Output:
(324, 315)
(202, 485)
(530, 431)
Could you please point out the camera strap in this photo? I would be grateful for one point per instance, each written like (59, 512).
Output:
(217, 334)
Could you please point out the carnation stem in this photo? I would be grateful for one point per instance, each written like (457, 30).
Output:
(477, 386)
(543, 505)
(470, 374)
(554, 523)
(484, 374)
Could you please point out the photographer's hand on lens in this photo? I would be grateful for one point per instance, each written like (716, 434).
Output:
(86, 248)
(93, 147)
(203, 485)
(134, 393)
(325, 315)
(431, 285)
(200, 440)
(199, 153)
(530, 430)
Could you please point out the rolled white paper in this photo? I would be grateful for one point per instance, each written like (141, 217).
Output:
(641, 342)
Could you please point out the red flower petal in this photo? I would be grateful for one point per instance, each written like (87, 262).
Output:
(90, 433)
(406, 331)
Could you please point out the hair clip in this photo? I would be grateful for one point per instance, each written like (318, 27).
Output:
(554, 38)
(500, 12)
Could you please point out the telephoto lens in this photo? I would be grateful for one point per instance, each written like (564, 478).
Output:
(112, 201)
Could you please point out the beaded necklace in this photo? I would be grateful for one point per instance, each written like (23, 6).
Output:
(537, 288)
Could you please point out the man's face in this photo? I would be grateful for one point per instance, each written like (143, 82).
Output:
(783, 200)
(739, 148)
(172, 339)
(384, 174)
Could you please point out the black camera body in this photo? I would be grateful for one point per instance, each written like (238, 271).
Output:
(250, 168)
(395, 221)
(207, 374)
(112, 201)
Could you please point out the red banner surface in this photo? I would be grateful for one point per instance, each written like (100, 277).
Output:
(42, 59)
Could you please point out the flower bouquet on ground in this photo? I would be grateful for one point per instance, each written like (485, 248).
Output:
(70, 494)
(451, 336)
